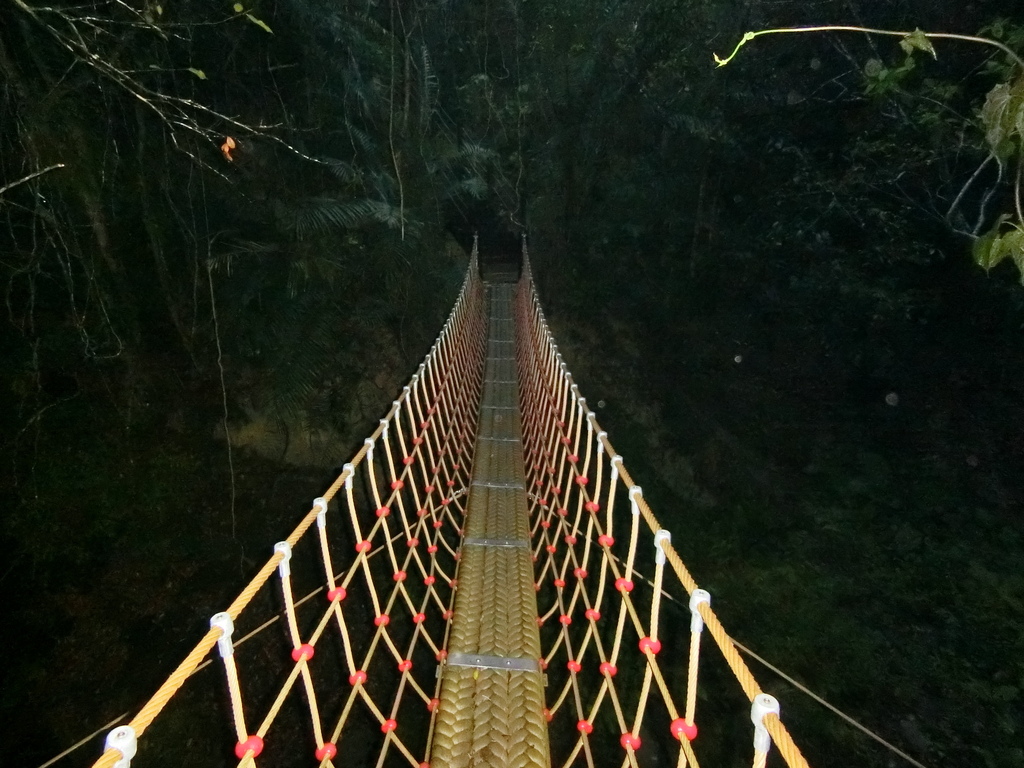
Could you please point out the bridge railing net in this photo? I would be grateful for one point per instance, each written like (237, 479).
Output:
(384, 538)
(614, 673)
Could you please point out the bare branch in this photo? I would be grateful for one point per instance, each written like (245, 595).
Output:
(28, 178)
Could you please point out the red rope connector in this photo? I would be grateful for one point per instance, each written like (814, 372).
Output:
(623, 585)
(408, 460)
(559, 583)
(433, 704)
(405, 665)
(607, 668)
(413, 543)
(563, 512)
(428, 580)
(573, 665)
(304, 651)
(593, 614)
(363, 546)
(605, 540)
(428, 489)
(647, 644)
(545, 524)
(382, 621)
(432, 548)
(441, 655)
(337, 594)
(419, 618)
(585, 726)
(680, 728)
(252, 745)
(629, 741)
(358, 678)
(592, 506)
(397, 485)
(383, 511)
(570, 539)
(388, 725)
(565, 620)
(399, 576)
(447, 614)
(326, 752)
(548, 716)
(551, 548)
(580, 573)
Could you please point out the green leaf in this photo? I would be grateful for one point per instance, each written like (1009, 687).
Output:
(1012, 244)
(261, 24)
(197, 72)
(918, 40)
(238, 7)
(996, 115)
(986, 249)
(1018, 259)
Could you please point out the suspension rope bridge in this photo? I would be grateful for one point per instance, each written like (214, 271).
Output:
(476, 589)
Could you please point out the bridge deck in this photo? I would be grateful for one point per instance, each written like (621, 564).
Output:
(492, 691)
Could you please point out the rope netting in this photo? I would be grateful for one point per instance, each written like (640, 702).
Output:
(613, 670)
(354, 671)
(376, 628)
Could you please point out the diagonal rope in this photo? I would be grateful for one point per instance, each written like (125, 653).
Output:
(401, 502)
(595, 620)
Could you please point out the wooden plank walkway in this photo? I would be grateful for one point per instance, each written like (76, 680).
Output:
(492, 691)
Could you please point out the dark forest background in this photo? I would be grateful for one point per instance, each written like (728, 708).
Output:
(762, 274)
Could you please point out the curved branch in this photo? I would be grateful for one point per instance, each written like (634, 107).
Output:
(31, 176)
(871, 31)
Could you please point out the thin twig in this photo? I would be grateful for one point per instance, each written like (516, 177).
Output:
(747, 37)
(31, 176)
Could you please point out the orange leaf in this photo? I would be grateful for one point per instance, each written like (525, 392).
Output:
(226, 148)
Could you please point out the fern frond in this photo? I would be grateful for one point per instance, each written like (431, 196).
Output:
(343, 171)
(429, 94)
(317, 215)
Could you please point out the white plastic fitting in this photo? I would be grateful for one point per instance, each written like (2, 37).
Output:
(384, 428)
(762, 705)
(285, 566)
(124, 740)
(616, 461)
(320, 505)
(697, 597)
(223, 622)
(634, 498)
(661, 537)
(351, 470)
(368, 442)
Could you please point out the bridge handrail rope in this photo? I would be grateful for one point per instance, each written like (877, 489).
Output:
(390, 607)
(415, 466)
(576, 476)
